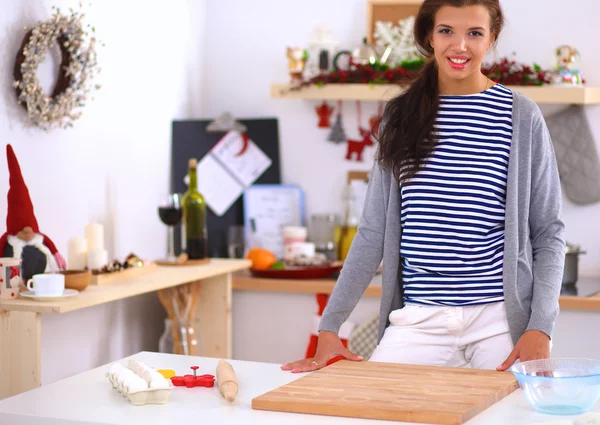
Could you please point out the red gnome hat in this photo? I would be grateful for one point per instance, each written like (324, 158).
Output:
(20, 209)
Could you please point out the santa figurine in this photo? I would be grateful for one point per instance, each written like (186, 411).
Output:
(23, 238)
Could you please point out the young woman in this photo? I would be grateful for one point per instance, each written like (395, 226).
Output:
(463, 206)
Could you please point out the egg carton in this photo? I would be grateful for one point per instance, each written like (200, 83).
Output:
(138, 395)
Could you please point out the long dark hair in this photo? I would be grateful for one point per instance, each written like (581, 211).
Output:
(406, 138)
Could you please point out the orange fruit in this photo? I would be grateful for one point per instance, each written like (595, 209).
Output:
(261, 258)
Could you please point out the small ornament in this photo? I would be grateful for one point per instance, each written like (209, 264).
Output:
(296, 61)
(356, 147)
(321, 49)
(364, 54)
(338, 134)
(324, 112)
(567, 71)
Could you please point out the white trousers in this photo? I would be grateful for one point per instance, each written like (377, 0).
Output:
(446, 336)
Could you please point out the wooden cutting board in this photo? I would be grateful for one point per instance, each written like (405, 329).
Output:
(424, 394)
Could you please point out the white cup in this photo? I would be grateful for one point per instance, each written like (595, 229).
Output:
(50, 284)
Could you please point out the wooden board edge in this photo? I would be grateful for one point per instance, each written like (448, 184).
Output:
(450, 418)
(108, 278)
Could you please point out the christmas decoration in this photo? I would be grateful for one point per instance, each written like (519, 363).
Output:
(375, 73)
(344, 332)
(567, 71)
(356, 147)
(321, 50)
(296, 61)
(324, 112)
(503, 71)
(398, 40)
(510, 73)
(22, 238)
(10, 278)
(78, 67)
(337, 133)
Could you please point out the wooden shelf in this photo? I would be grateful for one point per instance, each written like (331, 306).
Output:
(244, 281)
(384, 92)
(163, 277)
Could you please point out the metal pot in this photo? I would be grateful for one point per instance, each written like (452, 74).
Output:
(571, 272)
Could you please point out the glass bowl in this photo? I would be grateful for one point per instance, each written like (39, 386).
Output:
(559, 386)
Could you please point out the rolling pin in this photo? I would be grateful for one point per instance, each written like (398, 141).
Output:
(226, 378)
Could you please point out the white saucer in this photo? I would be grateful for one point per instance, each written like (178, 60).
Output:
(38, 297)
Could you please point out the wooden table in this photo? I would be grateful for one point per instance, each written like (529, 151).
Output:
(88, 398)
(20, 320)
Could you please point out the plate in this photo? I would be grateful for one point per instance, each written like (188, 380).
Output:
(68, 293)
(299, 272)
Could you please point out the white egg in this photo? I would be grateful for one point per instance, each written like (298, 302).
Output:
(159, 382)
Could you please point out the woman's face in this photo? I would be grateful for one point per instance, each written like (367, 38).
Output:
(461, 36)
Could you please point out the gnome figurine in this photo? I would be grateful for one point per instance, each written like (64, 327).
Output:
(23, 238)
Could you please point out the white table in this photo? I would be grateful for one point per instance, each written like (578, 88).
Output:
(88, 398)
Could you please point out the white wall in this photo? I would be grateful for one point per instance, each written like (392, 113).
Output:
(113, 166)
(245, 44)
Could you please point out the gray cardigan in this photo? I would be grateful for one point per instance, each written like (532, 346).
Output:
(534, 245)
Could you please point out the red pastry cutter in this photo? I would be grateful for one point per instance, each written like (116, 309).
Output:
(191, 381)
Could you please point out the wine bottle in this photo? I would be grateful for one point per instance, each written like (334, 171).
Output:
(194, 216)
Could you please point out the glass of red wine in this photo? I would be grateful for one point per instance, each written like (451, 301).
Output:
(170, 214)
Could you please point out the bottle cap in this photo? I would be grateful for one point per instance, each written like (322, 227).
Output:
(192, 163)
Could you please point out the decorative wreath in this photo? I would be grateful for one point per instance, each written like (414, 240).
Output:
(77, 69)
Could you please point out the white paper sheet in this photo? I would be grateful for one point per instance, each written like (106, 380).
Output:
(245, 160)
(231, 166)
(218, 187)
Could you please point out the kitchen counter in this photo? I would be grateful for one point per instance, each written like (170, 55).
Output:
(89, 398)
(585, 295)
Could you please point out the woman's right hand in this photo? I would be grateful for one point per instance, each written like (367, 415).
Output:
(329, 346)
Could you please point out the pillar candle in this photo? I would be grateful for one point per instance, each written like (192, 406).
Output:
(94, 234)
(97, 259)
(77, 254)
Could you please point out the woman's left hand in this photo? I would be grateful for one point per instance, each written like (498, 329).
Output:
(532, 345)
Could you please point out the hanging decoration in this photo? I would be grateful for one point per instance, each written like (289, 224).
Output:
(77, 69)
(355, 148)
(338, 134)
(376, 119)
(324, 112)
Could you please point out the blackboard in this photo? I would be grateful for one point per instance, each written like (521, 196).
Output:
(191, 140)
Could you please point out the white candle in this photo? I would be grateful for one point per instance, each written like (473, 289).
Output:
(77, 254)
(94, 234)
(97, 259)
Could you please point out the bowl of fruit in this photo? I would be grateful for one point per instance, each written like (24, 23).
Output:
(266, 264)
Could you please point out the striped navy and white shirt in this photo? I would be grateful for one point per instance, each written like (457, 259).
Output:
(453, 209)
